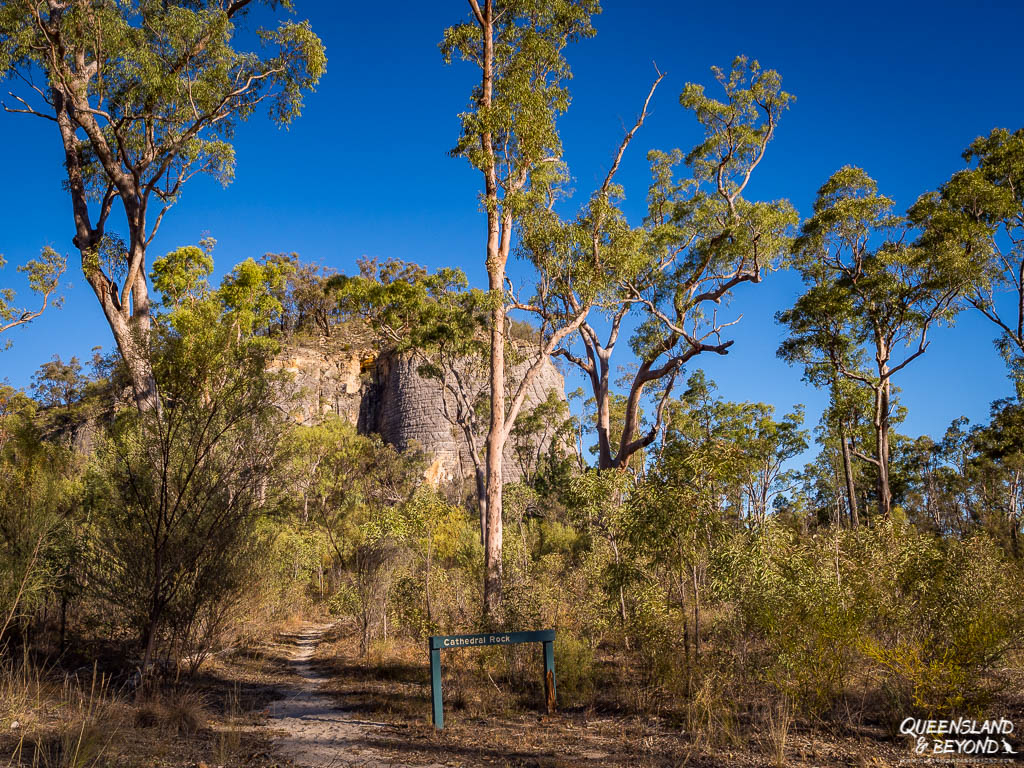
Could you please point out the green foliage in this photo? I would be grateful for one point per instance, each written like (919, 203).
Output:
(795, 598)
(182, 275)
(977, 215)
(699, 241)
(950, 616)
(58, 384)
(247, 303)
(36, 490)
(177, 494)
(869, 296)
(727, 455)
(43, 278)
(885, 295)
(574, 661)
(540, 438)
(307, 297)
(519, 118)
(167, 119)
(409, 308)
(928, 618)
(146, 95)
(711, 237)
(248, 293)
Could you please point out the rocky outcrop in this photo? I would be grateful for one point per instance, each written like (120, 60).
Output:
(328, 378)
(385, 394)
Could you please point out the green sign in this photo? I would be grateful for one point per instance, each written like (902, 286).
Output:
(440, 643)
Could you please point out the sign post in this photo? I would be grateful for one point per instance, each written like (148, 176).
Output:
(440, 643)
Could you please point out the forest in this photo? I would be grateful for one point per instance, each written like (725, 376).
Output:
(731, 583)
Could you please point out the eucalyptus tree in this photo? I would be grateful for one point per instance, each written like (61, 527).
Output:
(509, 136)
(57, 384)
(752, 448)
(144, 96)
(309, 306)
(701, 240)
(979, 212)
(692, 489)
(44, 276)
(823, 351)
(973, 478)
(843, 420)
(869, 296)
(997, 469)
(767, 445)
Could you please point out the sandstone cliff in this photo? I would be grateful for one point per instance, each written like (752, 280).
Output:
(385, 394)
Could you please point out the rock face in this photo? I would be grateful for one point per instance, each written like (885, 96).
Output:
(329, 378)
(386, 394)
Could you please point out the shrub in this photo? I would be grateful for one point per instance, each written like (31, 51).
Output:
(926, 618)
(944, 613)
(574, 670)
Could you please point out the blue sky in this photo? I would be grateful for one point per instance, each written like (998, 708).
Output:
(898, 88)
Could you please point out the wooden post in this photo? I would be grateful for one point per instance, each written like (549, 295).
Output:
(550, 696)
(435, 687)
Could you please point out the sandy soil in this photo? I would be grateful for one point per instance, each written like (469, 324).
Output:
(316, 732)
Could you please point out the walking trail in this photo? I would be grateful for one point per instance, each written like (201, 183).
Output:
(318, 734)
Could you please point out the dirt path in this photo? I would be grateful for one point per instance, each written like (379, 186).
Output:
(317, 733)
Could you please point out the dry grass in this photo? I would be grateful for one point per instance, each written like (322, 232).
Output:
(710, 716)
(178, 711)
(228, 741)
(21, 694)
(777, 723)
(50, 720)
(62, 725)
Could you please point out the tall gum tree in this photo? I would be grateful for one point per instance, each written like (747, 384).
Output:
(824, 350)
(509, 135)
(701, 239)
(871, 301)
(144, 95)
(979, 212)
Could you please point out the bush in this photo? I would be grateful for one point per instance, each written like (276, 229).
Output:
(35, 494)
(790, 594)
(944, 613)
(574, 670)
(925, 618)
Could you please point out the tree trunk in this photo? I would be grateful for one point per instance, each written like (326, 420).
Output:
(498, 239)
(631, 421)
(696, 615)
(687, 639)
(495, 456)
(851, 490)
(63, 621)
(1015, 518)
(155, 607)
(604, 445)
(129, 323)
(622, 596)
(149, 642)
(426, 588)
(481, 498)
(882, 438)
